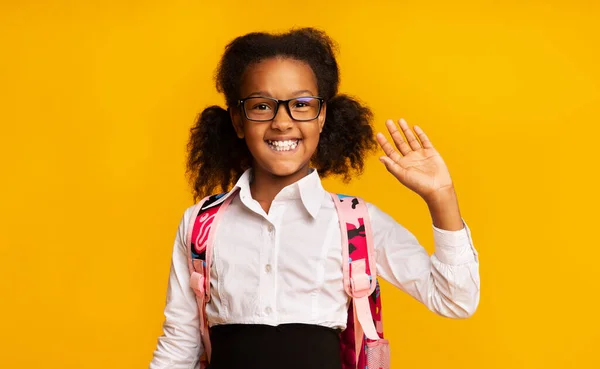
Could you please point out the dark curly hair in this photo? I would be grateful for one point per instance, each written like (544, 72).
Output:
(216, 157)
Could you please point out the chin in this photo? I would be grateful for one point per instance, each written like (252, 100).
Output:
(285, 169)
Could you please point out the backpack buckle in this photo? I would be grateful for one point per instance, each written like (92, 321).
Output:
(197, 283)
(360, 281)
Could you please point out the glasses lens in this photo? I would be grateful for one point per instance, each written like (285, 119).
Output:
(305, 108)
(259, 108)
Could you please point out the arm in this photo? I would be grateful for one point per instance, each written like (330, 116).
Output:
(448, 281)
(180, 346)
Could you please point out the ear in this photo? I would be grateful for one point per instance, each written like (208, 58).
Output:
(322, 117)
(236, 120)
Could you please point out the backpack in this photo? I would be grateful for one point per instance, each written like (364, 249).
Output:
(361, 344)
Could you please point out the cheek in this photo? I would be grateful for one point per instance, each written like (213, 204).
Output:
(311, 138)
(254, 137)
(312, 133)
(253, 133)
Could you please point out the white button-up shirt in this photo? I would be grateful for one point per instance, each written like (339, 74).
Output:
(286, 267)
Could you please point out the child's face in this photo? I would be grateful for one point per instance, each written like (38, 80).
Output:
(273, 143)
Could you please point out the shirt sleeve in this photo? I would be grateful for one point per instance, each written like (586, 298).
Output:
(180, 345)
(447, 282)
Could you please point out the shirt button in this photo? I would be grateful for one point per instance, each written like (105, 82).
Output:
(271, 228)
(268, 310)
(268, 268)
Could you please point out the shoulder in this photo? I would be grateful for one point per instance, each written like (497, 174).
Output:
(193, 210)
(385, 228)
(382, 222)
(376, 215)
(186, 221)
(190, 210)
(188, 213)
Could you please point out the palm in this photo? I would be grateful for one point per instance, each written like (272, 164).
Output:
(417, 165)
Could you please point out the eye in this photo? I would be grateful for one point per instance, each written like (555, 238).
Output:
(261, 106)
(304, 103)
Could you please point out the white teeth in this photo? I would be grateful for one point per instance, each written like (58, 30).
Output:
(286, 145)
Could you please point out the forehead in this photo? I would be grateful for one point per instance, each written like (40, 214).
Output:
(278, 77)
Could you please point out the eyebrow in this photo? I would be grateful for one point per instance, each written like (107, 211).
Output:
(266, 94)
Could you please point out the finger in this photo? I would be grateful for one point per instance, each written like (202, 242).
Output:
(387, 147)
(423, 137)
(410, 136)
(393, 168)
(401, 144)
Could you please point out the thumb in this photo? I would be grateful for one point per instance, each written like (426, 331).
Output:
(392, 167)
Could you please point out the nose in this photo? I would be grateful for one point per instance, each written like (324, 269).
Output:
(282, 120)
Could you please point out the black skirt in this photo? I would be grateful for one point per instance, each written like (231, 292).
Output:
(287, 346)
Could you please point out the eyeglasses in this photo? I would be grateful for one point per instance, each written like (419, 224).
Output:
(264, 109)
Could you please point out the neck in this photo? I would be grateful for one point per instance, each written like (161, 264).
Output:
(265, 186)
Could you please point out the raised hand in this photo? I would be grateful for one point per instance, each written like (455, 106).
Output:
(417, 165)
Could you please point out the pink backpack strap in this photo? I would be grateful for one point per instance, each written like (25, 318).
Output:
(200, 240)
(359, 267)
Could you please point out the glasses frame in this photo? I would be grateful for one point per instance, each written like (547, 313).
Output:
(240, 103)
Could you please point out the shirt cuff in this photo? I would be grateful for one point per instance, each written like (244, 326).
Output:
(454, 247)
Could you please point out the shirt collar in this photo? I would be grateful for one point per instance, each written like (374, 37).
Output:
(308, 189)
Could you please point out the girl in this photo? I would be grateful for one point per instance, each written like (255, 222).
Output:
(277, 296)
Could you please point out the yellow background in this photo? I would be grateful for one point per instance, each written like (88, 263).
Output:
(97, 98)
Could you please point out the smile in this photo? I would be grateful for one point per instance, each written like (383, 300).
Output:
(287, 145)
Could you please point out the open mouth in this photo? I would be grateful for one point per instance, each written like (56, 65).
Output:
(287, 145)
